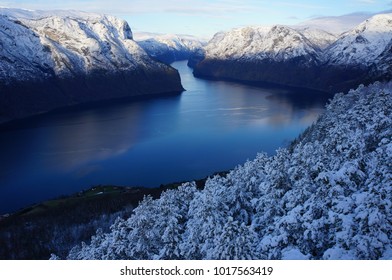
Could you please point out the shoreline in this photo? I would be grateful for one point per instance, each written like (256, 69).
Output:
(64, 222)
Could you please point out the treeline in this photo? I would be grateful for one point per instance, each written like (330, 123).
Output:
(58, 225)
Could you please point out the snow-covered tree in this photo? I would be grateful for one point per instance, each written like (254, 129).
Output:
(327, 196)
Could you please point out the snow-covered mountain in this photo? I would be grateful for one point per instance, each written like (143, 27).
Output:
(318, 37)
(327, 196)
(300, 56)
(277, 54)
(278, 43)
(57, 58)
(382, 68)
(363, 44)
(169, 48)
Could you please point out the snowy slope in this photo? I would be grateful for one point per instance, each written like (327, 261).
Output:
(363, 44)
(274, 54)
(278, 43)
(169, 47)
(22, 55)
(318, 37)
(71, 42)
(382, 68)
(179, 42)
(69, 51)
(359, 46)
(327, 196)
(300, 56)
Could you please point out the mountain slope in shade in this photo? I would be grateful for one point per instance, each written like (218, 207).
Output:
(53, 59)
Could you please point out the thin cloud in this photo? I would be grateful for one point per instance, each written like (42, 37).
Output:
(208, 10)
(367, 1)
(337, 24)
(136, 6)
(301, 6)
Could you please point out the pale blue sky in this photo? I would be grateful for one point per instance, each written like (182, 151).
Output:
(204, 18)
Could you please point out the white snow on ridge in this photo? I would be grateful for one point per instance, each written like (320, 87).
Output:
(262, 42)
(66, 42)
(175, 42)
(190, 43)
(363, 44)
(40, 14)
(318, 37)
(169, 44)
(141, 36)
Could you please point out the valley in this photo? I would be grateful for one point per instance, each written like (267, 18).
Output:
(289, 125)
(299, 57)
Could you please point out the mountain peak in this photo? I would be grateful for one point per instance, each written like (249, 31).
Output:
(278, 42)
(51, 56)
(363, 44)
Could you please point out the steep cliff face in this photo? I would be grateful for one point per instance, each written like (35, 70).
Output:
(300, 57)
(55, 59)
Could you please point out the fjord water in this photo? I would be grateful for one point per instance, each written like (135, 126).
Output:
(212, 126)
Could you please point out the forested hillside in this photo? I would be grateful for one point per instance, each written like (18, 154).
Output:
(327, 196)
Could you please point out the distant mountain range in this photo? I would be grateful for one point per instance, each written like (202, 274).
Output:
(52, 59)
(169, 47)
(301, 56)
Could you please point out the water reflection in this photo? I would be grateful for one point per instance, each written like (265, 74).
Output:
(64, 141)
(213, 126)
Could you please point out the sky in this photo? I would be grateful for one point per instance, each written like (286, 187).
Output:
(204, 18)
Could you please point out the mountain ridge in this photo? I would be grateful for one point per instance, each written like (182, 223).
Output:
(55, 59)
(298, 56)
(170, 47)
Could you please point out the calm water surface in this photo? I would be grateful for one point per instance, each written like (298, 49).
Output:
(212, 126)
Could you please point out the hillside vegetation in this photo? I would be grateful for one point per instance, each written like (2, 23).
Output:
(327, 196)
